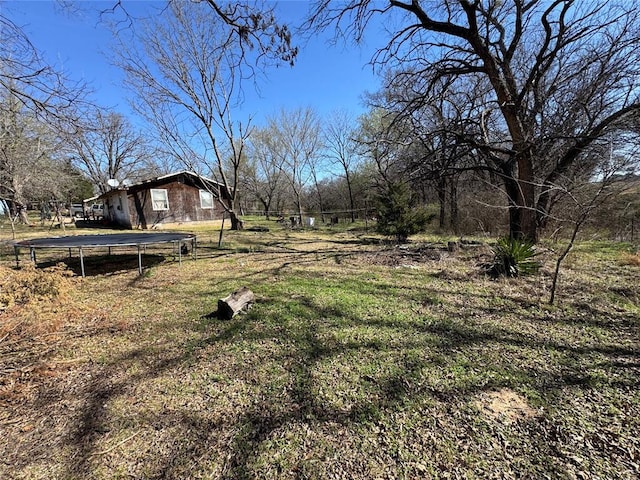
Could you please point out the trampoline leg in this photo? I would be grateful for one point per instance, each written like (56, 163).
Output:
(194, 244)
(139, 261)
(81, 261)
(179, 253)
(16, 250)
(32, 254)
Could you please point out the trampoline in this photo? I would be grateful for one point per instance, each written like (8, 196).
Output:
(82, 242)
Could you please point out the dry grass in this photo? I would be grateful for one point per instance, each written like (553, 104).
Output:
(359, 359)
(19, 287)
(505, 405)
(632, 259)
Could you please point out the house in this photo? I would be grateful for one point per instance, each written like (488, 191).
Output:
(178, 197)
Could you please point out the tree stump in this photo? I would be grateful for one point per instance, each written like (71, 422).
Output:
(234, 303)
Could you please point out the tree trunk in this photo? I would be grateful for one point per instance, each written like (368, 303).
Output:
(544, 204)
(266, 205)
(24, 218)
(526, 198)
(351, 202)
(236, 222)
(234, 303)
(299, 206)
(521, 194)
(60, 217)
(511, 189)
(442, 201)
(453, 204)
(142, 220)
(321, 204)
(267, 215)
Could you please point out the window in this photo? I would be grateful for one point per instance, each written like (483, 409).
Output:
(159, 199)
(206, 199)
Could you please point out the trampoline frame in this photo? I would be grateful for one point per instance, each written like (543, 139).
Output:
(81, 242)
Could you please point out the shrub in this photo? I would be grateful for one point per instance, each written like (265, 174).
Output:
(513, 258)
(399, 214)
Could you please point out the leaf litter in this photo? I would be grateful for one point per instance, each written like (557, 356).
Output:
(433, 372)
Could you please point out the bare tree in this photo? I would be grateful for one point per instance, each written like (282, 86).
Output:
(29, 168)
(582, 194)
(250, 26)
(108, 147)
(253, 27)
(188, 66)
(342, 149)
(184, 67)
(562, 74)
(317, 171)
(18, 160)
(264, 177)
(31, 92)
(384, 143)
(34, 83)
(444, 131)
(296, 143)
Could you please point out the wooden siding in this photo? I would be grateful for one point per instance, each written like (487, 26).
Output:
(184, 206)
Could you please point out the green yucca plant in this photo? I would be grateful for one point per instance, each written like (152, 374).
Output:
(513, 257)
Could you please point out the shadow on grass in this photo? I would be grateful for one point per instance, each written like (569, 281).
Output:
(106, 385)
(341, 372)
(96, 265)
(439, 342)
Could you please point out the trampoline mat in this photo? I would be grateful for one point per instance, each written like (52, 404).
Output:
(113, 240)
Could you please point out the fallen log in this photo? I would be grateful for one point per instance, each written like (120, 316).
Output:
(234, 303)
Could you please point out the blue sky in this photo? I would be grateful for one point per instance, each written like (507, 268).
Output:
(325, 77)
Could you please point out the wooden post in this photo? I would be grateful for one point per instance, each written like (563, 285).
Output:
(232, 304)
(221, 230)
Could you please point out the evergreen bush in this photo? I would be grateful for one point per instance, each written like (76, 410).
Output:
(399, 214)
